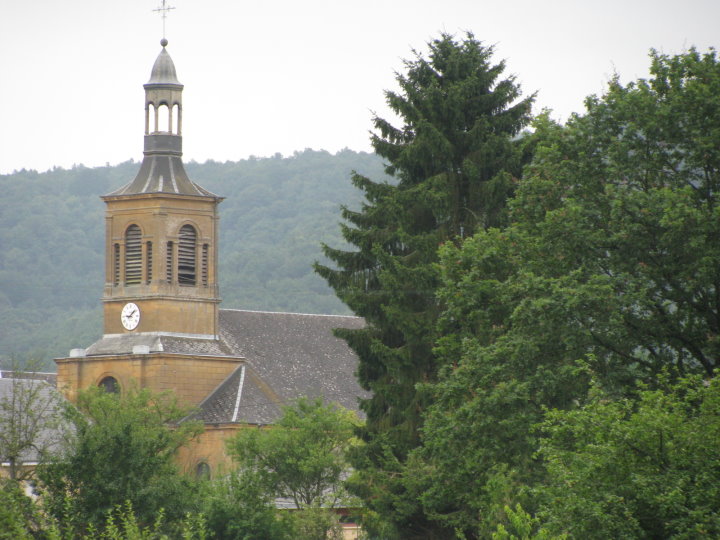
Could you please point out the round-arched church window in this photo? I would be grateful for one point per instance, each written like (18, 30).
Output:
(110, 385)
(202, 471)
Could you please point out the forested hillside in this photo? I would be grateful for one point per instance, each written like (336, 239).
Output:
(276, 213)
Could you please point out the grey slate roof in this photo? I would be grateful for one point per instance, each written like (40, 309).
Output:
(50, 378)
(163, 173)
(284, 356)
(163, 70)
(287, 356)
(125, 343)
(46, 402)
(240, 398)
(296, 353)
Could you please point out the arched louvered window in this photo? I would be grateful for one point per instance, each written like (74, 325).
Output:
(186, 255)
(116, 264)
(148, 262)
(204, 267)
(133, 255)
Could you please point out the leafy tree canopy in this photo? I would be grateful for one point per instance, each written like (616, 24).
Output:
(239, 507)
(610, 258)
(303, 456)
(19, 517)
(645, 468)
(123, 451)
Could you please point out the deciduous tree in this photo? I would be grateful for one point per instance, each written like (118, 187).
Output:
(238, 506)
(611, 258)
(31, 423)
(641, 468)
(303, 456)
(123, 452)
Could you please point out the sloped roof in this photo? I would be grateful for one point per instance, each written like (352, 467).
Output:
(287, 356)
(37, 402)
(48, 377)
(240, 398)
(284, 356)
(297, 354)
(163, 70)
(157, 342)
(163, 173)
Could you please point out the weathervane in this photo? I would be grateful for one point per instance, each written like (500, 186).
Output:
(163, 10)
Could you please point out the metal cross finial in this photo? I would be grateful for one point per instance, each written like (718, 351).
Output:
(163, 10)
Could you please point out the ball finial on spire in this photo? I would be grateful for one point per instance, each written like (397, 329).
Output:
(164, 42)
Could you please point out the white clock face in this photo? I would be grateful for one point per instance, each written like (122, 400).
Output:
(130, 316)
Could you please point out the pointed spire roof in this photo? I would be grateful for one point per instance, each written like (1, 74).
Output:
(163, 71)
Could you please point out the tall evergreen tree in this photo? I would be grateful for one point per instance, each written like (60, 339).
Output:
(454, 160)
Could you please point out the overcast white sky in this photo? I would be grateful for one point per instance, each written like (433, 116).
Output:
(282, 75)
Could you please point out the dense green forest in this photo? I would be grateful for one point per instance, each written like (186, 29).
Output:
(277, 212)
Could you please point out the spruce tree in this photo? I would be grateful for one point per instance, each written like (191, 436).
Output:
(453, 164)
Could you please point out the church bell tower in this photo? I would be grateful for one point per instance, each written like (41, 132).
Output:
(161, 298)
(161, 230)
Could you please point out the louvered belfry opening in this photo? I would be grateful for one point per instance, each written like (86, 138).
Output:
(169, 262)
(116, 264)
(205, 252)
(186, 256)
(148, 262)
(133, 255)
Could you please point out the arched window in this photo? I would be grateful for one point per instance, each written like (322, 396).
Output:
(133, 255)
(202, 471)
(110, 385)
(163, 118)
(151, 120)
(186, 255)
(175, 119)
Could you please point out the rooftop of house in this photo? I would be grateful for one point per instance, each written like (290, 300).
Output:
(50, 378)
(31, 405)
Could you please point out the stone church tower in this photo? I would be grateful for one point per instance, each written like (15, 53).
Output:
(161, 230)
(163, 328)
(161, 294)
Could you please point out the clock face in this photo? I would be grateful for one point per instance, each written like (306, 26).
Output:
(130, 316)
